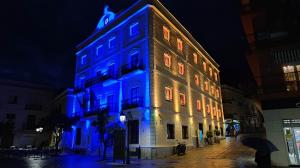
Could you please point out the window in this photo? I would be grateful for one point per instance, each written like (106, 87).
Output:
(212, 90)
(166, 32)
(83, 59)
(181, 68)
(112, 42)
(135, 95)
(208, 108)
(134, 58)
(134, 29)
(10, 116)
(210, 72)
(198, 103)
(298, 71)
(217, 93)
(179, 44)
(214, 111)
(133, 131)
(168, 93)
(170, 131)
(290, 77)
(197, 80)
(110, 101)
(100, 51)
(167, 60)
(12, 100)
(195, 56)
(206, 86)
(204, 66)
(82, 81)
(111, 70)
(30, 124)
(182, 99)
(185, 132)
(216, 76)
(78, 136)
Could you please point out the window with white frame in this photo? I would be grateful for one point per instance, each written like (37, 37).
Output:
(195, 56)
(204, 66)
(197, 80)
(206, 86)
(217, 93)
(112, 42)
(166, 33)
(167, 60)
(100, 50)
(208, 108)
(134, 29)
(179, 44)
(182, 99)
(210, 72)
(181, 68)
(216, 76)
(212, 90)
(198, 103)
(83, 60)
(168, 93)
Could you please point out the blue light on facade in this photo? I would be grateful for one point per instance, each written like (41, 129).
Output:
(112, 72)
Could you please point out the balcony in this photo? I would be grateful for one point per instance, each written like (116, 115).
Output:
(95, 111)
(132, 103)
(78, 90)
(101, 77)
(128, 68)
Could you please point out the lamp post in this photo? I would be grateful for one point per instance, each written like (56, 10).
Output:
(124, 119)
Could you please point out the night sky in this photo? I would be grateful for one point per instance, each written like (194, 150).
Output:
(38, 38)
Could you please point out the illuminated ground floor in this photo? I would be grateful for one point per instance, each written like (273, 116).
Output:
(155, 132)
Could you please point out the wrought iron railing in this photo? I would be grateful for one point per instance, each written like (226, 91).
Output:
(128, 68)
(96, 110)
(100, 78)
(132, 103)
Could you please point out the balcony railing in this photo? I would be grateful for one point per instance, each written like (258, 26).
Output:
(95, 111)
(78, 90)
(132, 103)
(99, 78)
(128, 68)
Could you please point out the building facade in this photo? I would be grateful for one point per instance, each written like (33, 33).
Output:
(272, 29)
(145, 64)
(22, 105)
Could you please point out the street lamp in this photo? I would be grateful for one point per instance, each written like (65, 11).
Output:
(124, 120)
(39, 130)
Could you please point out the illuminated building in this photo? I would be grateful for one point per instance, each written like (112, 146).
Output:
(272, 29)
(144, 63)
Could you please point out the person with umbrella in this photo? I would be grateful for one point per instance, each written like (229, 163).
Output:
(263, 148)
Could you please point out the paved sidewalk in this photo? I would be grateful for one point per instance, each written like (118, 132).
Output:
(230, 153)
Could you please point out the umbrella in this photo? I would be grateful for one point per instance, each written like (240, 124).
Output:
(260, 144)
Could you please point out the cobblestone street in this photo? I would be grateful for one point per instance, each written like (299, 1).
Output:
(230, 153)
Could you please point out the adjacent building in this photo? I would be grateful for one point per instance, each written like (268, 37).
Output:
(22, 105)
(272, 29)
(242, 110)
(143, 63)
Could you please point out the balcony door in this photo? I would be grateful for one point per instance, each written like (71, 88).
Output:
(134, 59)
(110, 102)
(135, 95)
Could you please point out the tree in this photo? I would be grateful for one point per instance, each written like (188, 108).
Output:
(101, 123)
(56, 123)
(106, 130)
